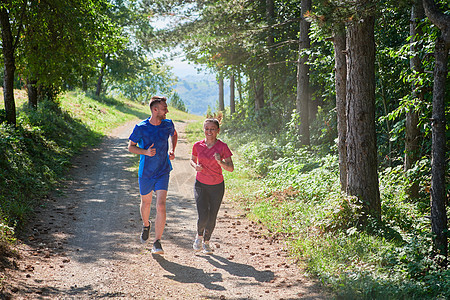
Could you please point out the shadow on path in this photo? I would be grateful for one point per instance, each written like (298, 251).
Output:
(239, 270)
(186, 274)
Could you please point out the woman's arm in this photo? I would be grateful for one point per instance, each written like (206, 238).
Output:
(226, 164)
(194, 164)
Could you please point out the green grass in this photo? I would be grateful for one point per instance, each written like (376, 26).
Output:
(194, 131)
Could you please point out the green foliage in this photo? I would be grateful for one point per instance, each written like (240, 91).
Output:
(6, 238)
(176, 102)
(298, 198)
(152, 78)
(34, 156)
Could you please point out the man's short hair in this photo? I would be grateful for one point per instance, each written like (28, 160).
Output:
(156, 100)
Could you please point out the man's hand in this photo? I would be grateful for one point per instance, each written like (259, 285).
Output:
(171, 155)
(150, 151)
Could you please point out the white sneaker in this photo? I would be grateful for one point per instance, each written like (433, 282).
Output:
(206, 248)
(197, 244)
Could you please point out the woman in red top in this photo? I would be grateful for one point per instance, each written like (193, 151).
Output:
(209, 157)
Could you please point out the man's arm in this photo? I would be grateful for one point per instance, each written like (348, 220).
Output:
(133, 148)
(174, 140)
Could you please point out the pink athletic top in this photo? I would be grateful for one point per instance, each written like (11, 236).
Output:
(212, 172)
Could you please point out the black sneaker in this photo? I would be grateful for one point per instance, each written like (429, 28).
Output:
(145, 233)
(157, 248)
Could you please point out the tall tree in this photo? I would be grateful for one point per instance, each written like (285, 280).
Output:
(362, 177)
(339, 42)
(303, 93)
(221, 93)
(412, 133)
(62, 42)
(232, 97)
(12, 12)
(270, 16)
(439, 224)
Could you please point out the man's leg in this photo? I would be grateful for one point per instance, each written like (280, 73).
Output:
(160, 221)
(146, 204)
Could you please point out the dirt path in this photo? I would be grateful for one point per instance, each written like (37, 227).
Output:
(84, 243)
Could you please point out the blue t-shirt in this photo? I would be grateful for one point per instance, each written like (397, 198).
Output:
(146, 134)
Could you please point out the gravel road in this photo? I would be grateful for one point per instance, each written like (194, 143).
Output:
(84, 242)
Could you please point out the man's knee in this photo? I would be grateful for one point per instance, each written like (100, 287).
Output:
(161, 206)
(146, 199)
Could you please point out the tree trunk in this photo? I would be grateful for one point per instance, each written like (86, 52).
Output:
(259, 96)
(232, 101)
(340, 83)
(100, 80)
(221, 94)
(362, 178)
(239, 87)
(303, 97)
(9, 67)
(32, 93)
(412, 133)
(270, 15)
(439, 225)
(438, 192)
(83, 83)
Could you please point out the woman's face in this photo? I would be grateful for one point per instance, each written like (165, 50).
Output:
(211, 130)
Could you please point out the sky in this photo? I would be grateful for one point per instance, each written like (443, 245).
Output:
(182, 68)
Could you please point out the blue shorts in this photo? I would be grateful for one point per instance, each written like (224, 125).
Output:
(147, 185)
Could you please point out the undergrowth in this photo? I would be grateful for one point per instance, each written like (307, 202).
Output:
(298, 198)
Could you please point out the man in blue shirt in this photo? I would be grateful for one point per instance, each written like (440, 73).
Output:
(150, 140)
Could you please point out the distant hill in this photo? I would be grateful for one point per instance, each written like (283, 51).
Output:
(199, 91)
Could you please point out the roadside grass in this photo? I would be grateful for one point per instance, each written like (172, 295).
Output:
(295, 193)
(194, 131)
(35, 156)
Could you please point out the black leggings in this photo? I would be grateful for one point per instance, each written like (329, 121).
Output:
(208, 199)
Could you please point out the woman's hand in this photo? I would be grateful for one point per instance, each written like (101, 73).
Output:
(217, 157)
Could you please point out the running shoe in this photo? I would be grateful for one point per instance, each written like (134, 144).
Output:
(157, 248)
(206, 248)
(145, 233)
(197, 244)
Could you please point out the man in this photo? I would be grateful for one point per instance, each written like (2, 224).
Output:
(150, 140)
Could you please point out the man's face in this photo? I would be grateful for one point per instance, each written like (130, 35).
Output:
(160, 110)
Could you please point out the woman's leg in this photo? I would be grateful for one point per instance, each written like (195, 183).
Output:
(202, 202)
(215, 196)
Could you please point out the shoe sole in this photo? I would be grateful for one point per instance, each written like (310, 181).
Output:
(157, 251)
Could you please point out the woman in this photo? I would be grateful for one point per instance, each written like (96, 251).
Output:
(209, 157)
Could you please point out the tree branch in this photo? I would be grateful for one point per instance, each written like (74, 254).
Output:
(441, 20)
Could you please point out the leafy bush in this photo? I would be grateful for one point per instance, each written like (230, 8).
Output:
(34, 155)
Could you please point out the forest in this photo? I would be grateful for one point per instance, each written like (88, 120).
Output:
(339, 111)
